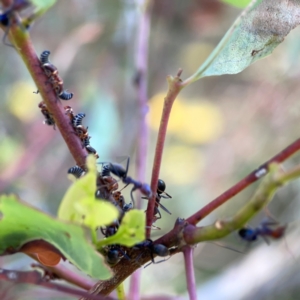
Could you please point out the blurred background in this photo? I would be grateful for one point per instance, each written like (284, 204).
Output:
(221, 128)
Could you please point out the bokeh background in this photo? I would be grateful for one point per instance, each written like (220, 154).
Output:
(221, 129)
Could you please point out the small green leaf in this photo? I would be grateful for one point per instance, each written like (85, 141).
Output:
(21, 223)
(238, 3)
(130, 232)
(79, 203)
(43, 4)
(255, 34)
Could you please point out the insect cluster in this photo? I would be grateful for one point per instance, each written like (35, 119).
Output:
(108, 189)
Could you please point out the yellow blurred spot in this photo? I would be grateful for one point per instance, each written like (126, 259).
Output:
(195, 122)
(9, 148)
(193, 55)
(22, 102)
(181, 163)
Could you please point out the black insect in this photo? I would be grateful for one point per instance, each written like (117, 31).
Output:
(120, 172)
(264, 230)
(77, 119)
(65, 95)
(114, 254)
(160, 193)
(89, 148)
(76, 171)
(44, 57)
(48, 117)
(154, 249)
(105, 170)
(54, 78)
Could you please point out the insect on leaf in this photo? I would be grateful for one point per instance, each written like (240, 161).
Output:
(130, 232)
(80, 205)
(21, 224)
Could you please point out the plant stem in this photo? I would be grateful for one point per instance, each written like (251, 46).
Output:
(189, 271)
(141, 84)
(260, 199)
(21, 40)
(36, 278)
(245, 182)
(174, 89)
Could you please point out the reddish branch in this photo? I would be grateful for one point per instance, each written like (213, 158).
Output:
(23, 45)
(174, 89)
(245, 182)
(37, 278)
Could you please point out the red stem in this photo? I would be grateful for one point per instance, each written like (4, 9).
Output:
(36, 278)
(241, 185)
(27, 52)
(189, 271)
(174, 89)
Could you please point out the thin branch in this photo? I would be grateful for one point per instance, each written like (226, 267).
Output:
(174, 89)
(36, 278)
(189, 271)
(245, 182)
(68, 275)
(21, 40)
(141, 65)
(260, 199)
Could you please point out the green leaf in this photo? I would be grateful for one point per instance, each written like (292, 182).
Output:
(21, 223)
(255, 34)
(238, 3)
(43, 4)
(80, 205)
(130, 232)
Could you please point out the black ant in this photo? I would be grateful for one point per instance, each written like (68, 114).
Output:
(161, 186)
(155, 249)
(120, 172)
(264, 230)
(76, 171)
(48, 117)
(114, 254)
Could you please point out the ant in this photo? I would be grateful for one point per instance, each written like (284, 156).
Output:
(76, 171)
(52, 72)
(44, 110)
(155, 249)
(160, 193)
(120, 172)
(114, 254)
(264, 230)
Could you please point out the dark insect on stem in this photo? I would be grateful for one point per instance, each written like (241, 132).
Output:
(53, 75)
(48, 117)
(77, 120)
(44, 57)
(76, 171)
(65, 95)
(154, 249)
(120, 172)
(264, 230)
(89, 148)
(160, 193)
